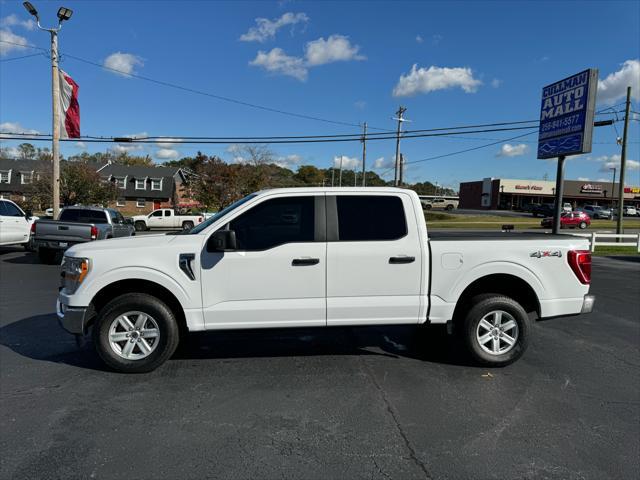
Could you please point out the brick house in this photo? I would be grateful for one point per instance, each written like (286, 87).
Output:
(17, 177)
(141, 189)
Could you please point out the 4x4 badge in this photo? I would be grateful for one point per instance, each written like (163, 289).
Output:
(546, 253)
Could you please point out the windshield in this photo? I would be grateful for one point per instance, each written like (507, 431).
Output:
(220, 214)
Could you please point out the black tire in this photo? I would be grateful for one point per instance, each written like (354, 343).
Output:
(140, 226)
(582, 225)
(187, 225)
(150, 305)
(427, 206)
(47, 255)
(449, 207)
(483, 305)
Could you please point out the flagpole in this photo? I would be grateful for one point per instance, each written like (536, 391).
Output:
(55, 144)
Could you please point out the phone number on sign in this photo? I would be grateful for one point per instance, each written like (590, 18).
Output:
(560, 123)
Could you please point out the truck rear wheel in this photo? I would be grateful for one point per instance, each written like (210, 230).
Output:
(47, 255)
(187, 225)
(135, 333)
(496, 330)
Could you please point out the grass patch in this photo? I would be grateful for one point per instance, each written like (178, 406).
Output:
(610, 250)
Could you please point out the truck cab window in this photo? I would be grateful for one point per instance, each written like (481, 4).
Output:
(275, 222)
(157, 213)
(167, 213)
(370, 218)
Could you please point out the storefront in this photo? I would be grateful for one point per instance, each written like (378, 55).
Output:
(512, 194)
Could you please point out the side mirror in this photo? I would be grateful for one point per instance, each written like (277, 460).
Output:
(28, 214)
(222, 241)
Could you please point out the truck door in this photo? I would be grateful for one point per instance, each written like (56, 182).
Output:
(154, 220)
(14, 227)
(169, 219)
(277, 275)
(374, 260)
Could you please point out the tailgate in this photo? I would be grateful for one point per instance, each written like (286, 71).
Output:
(63, 231)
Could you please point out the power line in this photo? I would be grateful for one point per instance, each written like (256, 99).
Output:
(218, 97)
(20, 58)
(24, 45)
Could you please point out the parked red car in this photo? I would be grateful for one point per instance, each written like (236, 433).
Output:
(569, 220)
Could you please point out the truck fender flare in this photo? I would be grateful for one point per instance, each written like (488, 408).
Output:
(498, 267)
(141, 273)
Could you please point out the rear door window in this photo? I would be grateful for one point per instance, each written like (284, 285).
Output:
(370, 218)
(83, 216)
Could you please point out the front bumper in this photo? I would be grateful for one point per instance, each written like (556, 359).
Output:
(588, 303)
(72, 319)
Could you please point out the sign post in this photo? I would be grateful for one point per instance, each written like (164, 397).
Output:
(566, 124)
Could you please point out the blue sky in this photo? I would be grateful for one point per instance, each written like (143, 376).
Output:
(475, 62)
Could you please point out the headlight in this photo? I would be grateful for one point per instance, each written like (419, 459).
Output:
(74, 271)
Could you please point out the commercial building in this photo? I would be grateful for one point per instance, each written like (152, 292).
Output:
(514, 194)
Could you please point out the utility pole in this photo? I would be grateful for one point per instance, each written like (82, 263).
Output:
(401, 174)
(333, 174)
(340, 177)
(63, 14)
(400, 119)
(559, 190)
(364, 154)
(623, 160)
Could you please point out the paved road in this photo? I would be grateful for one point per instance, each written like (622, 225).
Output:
(374, 403)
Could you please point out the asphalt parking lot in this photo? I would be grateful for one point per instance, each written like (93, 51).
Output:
(374, 403)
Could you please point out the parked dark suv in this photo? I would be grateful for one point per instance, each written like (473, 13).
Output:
(544, 210)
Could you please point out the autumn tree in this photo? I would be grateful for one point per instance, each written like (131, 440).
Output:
(79, 184)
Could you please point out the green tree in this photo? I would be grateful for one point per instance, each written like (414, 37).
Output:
(26, 151)
(310, 175)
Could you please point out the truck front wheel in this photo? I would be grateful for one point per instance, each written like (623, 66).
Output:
(496, 330)
(135, 333)
(140, 226)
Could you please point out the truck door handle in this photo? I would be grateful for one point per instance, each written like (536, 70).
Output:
(299, 262)
(402, 259)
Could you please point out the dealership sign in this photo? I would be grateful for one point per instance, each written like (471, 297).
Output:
(566, 115)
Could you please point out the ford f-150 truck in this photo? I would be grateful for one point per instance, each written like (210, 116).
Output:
(77, 225)
(166, 219)
(319, 257)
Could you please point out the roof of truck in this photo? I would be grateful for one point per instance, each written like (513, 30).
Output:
(337, 190)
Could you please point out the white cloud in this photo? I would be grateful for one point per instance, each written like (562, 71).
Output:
(360, 104)
(289, 161)
(137, 135)
(15, 42)
(382, 162)
(14, 21)
(614, 86)
(613, 161)
(425, 80)
(583, 179)
(168, 142)
(336, 48)
(9, 152)
(15, 127)
(277, 61)
(509, 150)
(419, 39)
(603, 180)
(266, 29)
(348, 163)
(167, 154)
(122, 148)
(496, 82)
(80, 145)
(123, 63)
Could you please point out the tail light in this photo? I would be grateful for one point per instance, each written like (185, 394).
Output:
(580, 263)
(94, 232)
(33, 228)
(199, 219)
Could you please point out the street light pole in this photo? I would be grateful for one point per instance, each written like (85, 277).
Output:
(63, 14)
(623, 159)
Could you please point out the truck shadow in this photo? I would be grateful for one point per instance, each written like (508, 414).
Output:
(40, 338)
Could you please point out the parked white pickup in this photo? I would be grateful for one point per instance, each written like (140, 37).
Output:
(166, 219)
(319, 257)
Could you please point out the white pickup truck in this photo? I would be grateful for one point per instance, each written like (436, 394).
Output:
(166, 219)
(319, 257)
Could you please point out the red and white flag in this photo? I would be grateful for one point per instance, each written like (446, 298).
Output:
(69, 107)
